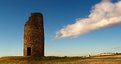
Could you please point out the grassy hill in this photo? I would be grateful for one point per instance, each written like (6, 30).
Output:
(113, 59)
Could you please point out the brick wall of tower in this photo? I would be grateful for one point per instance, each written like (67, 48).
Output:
(34, 35)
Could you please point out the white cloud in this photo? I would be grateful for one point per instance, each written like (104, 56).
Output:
(102, 15)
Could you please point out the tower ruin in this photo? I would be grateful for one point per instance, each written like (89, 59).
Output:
(34, 36)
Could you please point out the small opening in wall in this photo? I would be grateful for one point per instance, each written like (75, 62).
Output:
(28, 51)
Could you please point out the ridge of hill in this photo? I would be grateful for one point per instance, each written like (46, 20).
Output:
(109, 59)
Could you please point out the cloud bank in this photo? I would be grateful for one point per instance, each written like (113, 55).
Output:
(103, 14)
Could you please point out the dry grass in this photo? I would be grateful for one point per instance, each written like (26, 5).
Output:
(62, 60)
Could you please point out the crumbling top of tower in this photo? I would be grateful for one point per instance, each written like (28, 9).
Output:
(36, 14)
(34, 19)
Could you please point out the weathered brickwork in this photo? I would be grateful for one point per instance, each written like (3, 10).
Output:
(34, 36)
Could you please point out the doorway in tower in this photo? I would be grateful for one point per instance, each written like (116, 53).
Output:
(28, 51)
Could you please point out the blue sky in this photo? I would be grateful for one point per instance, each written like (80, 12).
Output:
(57, 13)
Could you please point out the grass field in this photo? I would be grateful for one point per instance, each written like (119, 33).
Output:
(115, 59)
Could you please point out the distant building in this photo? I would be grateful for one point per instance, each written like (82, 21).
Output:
(34, 36)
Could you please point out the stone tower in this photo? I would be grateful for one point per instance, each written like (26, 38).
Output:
(34, 36)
